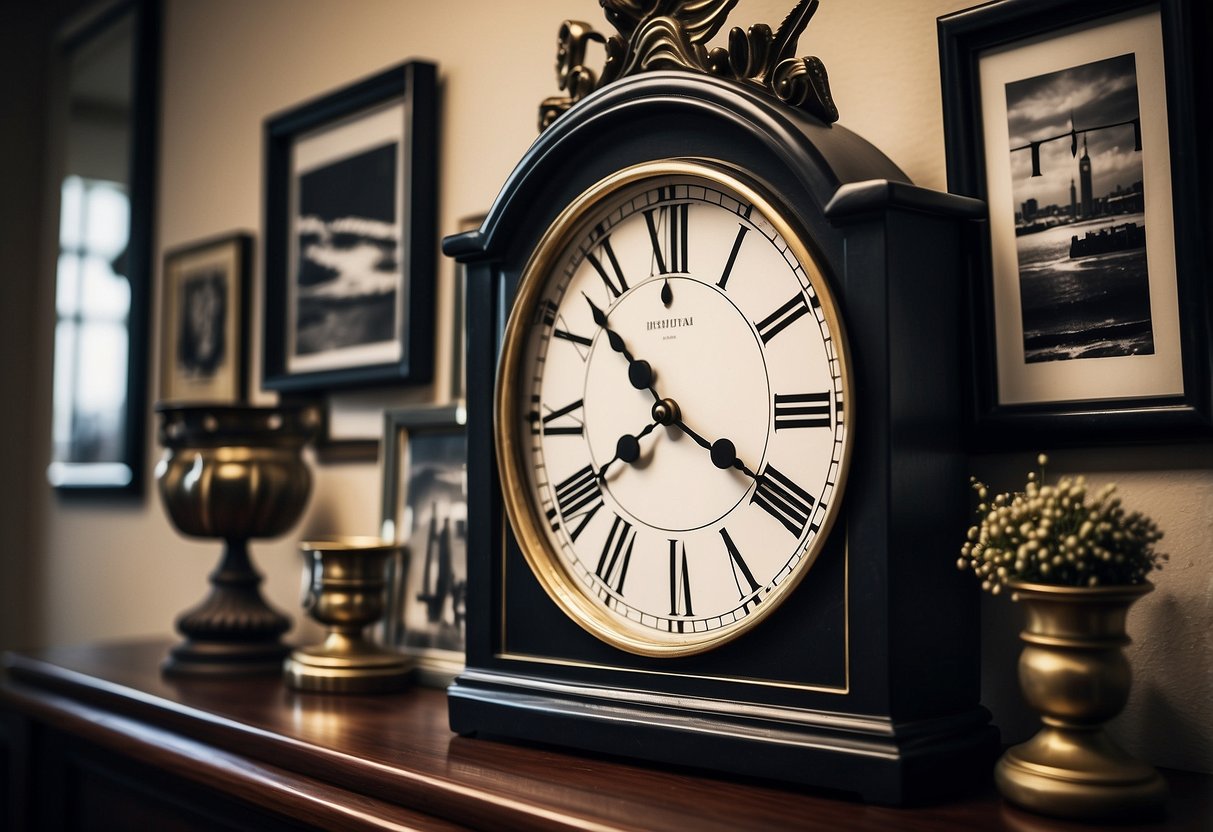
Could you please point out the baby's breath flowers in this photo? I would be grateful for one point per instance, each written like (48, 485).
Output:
(1058, 534)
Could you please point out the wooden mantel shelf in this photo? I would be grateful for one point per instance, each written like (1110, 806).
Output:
(259, 756)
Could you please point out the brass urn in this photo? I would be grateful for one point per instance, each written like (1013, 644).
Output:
(1073, 671)
(345, 589)
(234, 473)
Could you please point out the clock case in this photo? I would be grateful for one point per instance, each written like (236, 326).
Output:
(866, 678)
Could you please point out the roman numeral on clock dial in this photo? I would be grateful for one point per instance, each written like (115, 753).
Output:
(802, 410)
(781, 318)
(670, 247)
(609, 271)
(742, 576)
(680, 580)
(783, 499)
(559, 422)
(547, 313)
(579, 497)
(616, 555)
(728, 266)
(572, 337)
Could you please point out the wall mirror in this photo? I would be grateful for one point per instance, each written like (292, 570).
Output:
(105, 128)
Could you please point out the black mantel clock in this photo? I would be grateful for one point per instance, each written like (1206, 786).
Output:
(713, 420)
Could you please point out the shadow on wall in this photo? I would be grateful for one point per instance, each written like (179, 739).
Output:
(1167, 672)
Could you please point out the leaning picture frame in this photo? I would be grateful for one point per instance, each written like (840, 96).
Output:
(204, 320)
(1076, 122)
(424, 467)
(350, 230)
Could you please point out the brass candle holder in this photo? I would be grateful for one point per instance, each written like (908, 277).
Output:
(234, 473)
(345, 589)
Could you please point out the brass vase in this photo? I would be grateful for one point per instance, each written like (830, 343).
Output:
(345, 589)
(1073, 671)
(234, 473)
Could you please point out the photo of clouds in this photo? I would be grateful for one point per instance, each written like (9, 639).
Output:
(349, 277)
(1076, 166)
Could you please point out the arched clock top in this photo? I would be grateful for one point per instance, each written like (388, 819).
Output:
(648, 116)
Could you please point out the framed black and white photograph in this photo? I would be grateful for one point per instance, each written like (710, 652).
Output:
(205, 321)
(1075, 122)
(425, 508)
(350, 235)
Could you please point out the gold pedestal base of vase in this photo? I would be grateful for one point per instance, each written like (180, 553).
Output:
(344, 665)
(236, 474)
(1074, 673)
(1078, 773)
(346, 580)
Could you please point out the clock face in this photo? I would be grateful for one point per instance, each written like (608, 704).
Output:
(673, 409)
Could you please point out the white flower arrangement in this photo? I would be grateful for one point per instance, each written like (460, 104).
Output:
(1059, 535)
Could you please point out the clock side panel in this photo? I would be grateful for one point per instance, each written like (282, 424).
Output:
(928, 476)
(484, 315)
(907, 490)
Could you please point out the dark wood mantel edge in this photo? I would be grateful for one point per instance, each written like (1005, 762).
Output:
(301, 798)
(114, 698)
(51, 692)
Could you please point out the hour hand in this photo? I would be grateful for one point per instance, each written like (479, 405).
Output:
(627, 449)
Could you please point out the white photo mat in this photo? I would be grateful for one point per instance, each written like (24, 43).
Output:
(1104, 378)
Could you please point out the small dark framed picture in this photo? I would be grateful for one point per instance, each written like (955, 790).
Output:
(350, 235)
(205, 321)
(1076, 122)
(425, 507)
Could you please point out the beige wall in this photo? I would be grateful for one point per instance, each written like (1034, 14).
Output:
(106, 572)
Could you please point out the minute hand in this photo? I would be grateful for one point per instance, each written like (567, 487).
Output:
(640, 372)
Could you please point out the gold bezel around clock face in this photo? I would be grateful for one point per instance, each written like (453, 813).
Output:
(673, 412)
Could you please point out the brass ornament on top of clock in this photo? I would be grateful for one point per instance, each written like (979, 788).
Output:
(672, 34)
(672, 408)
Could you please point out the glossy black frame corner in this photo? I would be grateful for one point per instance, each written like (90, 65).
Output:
(963, 37)
(416, 82)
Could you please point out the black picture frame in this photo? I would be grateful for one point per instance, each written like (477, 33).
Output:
(122, 475)
(395, 164)
(996, 421)
(424, 451)
(223, 263)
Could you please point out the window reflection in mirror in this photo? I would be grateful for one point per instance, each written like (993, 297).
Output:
(102, 271)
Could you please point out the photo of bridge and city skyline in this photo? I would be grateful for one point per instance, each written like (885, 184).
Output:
(1077, 183)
